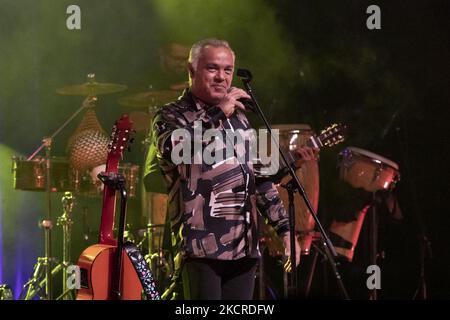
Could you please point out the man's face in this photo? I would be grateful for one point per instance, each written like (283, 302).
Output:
(174, 58)
(214, 74)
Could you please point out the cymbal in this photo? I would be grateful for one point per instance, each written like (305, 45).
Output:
(179, 86)
(91, 88)
(149, 98)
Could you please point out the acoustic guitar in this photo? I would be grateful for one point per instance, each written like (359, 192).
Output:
(108, 269)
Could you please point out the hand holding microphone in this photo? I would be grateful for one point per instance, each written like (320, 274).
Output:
(235, 98)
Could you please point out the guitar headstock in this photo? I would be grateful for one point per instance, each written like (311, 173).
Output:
(333, 134)
(120, 136)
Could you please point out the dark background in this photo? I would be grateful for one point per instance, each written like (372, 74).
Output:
(313, 62)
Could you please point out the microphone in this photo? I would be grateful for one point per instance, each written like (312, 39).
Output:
(248, 104)
(245, 74)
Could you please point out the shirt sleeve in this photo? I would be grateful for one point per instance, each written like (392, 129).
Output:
(271, 207)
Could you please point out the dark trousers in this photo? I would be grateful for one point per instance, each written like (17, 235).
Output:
(208, 279)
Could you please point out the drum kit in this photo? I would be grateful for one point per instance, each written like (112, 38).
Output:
(76, 175)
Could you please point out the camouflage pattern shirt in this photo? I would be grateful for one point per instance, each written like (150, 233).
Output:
(212, 207)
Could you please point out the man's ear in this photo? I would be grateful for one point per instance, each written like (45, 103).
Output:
(191, 70)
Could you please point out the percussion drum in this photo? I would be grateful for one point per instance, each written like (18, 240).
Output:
(31, 174)
(291, 137)
(156, 207)
(367, 170)
(344, 235)
(87, 184)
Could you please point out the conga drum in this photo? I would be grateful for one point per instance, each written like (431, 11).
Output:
(31, 175)
(86, 183)
(155, 206)
(292, 136)
(366, 170)
(370, 171)
(344, 235)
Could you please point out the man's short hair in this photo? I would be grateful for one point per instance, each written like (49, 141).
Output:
(197, 47)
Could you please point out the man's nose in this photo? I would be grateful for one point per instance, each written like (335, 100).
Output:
(220, 75)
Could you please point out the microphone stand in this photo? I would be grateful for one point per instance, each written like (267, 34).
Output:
(291, 188)
(425, 249)
(330, 251)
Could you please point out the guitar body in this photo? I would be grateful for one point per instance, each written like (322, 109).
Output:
(97, 268)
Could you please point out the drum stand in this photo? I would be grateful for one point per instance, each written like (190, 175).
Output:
(66, 222)
(36, 283)
(319, 248)
(42, 267)
(47, 224)
(425, 250)
(330, 251)
(291, 290)
(373, 242)
(155, 257)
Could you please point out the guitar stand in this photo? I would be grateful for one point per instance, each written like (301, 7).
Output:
(116, 181)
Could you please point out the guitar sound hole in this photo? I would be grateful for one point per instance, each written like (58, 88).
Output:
(84, 283)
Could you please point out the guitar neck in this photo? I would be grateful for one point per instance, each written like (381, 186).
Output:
(312, 142)
(108, 209)
(332, 135)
